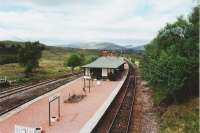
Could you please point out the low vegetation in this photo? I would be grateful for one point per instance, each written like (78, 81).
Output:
(181, 118)
(51, 63)
(171, 67)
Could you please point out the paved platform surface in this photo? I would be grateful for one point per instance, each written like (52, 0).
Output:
(73, 115)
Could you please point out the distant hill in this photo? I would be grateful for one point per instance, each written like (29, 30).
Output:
(95, 45)
(137, 49)
(9, 52)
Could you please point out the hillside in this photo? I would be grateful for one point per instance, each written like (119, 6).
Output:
(50, 65)
(9, 51)
(95, 45)
(137, 49)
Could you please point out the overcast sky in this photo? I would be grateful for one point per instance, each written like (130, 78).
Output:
(58, 22)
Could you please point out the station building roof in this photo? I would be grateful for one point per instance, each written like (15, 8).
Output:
(106, 62)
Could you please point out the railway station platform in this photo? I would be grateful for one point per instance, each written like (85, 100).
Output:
(74, 117)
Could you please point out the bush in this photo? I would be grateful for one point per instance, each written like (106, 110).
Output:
(171, 60)
(73, 61)
(29, 56)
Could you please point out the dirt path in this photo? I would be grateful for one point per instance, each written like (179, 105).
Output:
(144, 117)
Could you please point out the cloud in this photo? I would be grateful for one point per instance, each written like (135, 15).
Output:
(64, 21)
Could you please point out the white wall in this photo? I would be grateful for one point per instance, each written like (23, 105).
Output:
(104, 72)
(87, 71)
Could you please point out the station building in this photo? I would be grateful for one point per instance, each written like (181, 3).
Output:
(104, 67)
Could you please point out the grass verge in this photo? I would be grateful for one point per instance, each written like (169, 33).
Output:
(181, 118)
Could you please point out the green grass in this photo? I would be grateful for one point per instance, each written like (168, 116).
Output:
(50, 65)
(181, 118)
(13, 71)
(48, 69)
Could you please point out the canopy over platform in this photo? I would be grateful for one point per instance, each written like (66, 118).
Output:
(106, 62)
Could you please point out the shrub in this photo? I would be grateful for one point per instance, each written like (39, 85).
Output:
(171, 60)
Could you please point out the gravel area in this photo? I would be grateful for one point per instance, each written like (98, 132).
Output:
(144, 117)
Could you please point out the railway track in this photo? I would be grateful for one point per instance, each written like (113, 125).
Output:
(12, 91)
(2, 89)
(15, 97)
(118, 116)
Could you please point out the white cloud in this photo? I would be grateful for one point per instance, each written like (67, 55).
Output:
(63, 21)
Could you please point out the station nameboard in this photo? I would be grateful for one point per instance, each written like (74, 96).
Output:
(22, 129)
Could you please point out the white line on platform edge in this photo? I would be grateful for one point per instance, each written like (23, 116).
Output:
(92, 122)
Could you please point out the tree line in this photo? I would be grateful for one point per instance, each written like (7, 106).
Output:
(171, 60)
